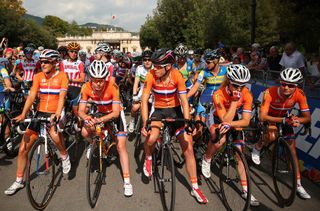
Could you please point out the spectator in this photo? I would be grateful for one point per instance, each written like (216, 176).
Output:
(313, 71)
(257, 65)
(291, 57)
(273, 60)
(240, 54)
(236, 60)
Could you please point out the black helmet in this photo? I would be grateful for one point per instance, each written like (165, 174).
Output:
(146, 53)
(198, 51)
(62, 49)
(211, 55)
(126, 61)
(163, 56)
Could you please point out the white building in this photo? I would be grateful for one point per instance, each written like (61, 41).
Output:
(123, 41)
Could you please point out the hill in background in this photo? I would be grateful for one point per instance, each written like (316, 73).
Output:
(94, 26)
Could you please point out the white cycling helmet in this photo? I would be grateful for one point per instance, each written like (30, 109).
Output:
(181, 50)
(105, 48)
(291, 75)
(49, 54)
(238, 74)
(98, 69)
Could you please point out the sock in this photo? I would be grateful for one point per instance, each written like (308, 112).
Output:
(298, 182)
(126, 178)
(194, 183)
(63, 157)
(208, 160)
(19, 179)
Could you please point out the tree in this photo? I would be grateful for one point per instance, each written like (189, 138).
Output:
(149, 35)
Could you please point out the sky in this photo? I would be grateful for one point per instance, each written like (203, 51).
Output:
(129, 14)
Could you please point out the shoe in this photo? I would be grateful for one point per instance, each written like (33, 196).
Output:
(206, 168)
(199, 195)
(253, 201)
(88, 151)
(66, 165)
(131, 126)
(147, 168)
(303, 193)
(9, 144)
(255, 156)
(14, 188)
(128, 191)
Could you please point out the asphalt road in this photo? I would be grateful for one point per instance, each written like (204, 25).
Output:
(71, 193)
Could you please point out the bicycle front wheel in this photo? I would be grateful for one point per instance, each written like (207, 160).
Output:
(284, 173)
(165, 176)
(94, 175)
(40, 175)
(234, 174)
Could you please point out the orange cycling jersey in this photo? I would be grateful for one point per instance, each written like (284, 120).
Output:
(105, 99)
(49, 90)
(277, 106)
(222, 100)
(165, 93)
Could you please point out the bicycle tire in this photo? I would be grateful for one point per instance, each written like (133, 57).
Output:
(94, 175)
(231, 188)
(37, 158)
(165, 173)
(284, 180)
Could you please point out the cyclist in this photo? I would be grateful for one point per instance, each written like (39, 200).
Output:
(103, 53)
(277, 102)
(141, 73)
(184, 65)
(231, 96)
(106, 95)
(52, 87)
(168, 86)
(28, 68)
(63, 52)
(5, 85)
(211, 78)
(74, 68)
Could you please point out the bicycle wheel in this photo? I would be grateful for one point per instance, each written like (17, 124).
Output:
(165, 176)
(284, 173)
(94, 175)
(40, 175)
(231, 161)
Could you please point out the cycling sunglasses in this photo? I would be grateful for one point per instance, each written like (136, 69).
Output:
(72, 51)
(45, 62)
(284, 84)
(147, 60)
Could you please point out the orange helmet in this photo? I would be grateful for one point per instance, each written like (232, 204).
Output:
(73, 46)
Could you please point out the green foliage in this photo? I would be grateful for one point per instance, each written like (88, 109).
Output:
(203, 23)
(149, 35)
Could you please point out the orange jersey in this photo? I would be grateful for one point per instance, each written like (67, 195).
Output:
(109, 96)
(165, 94)
(222, 101)
(277, 106)
(49, 90)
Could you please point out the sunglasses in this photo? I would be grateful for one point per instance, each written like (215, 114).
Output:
(209, 62)
(98, 80)
(146, 60)
(283, 84)
(236, 86)
(73, 51)
(160, 66)
(45, 62)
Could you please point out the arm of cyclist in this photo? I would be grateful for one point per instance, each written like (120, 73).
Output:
(80, 79)
(194, 89)
(114, 114)
(8, 84)
(19, 69)
(135, 87)
(62, 97)
(144, 103)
